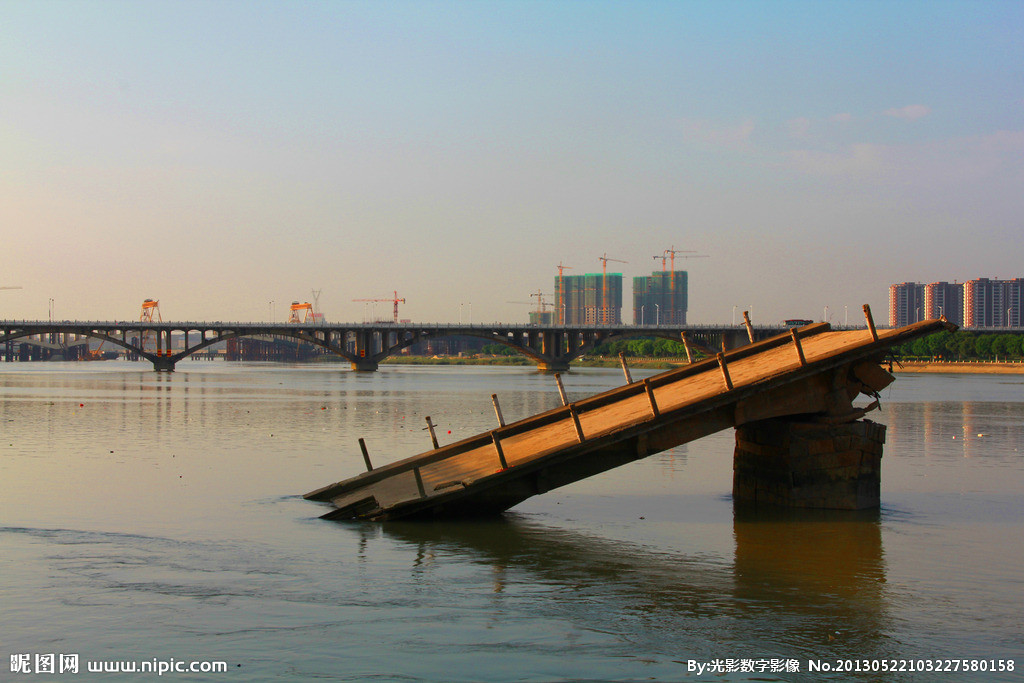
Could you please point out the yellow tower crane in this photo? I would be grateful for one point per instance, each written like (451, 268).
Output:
(605, 316)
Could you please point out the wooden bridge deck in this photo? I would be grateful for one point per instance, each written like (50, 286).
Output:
(813, 370)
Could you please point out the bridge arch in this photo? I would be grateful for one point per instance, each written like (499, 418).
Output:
(553, 348)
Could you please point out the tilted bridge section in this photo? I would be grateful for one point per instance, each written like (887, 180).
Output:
(366, 345)
(800, 440)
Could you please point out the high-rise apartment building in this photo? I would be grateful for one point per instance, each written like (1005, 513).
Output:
(993, 303)
(660, 298)
(944, 299)
(591, 299)
(980, 303)
(906, 303)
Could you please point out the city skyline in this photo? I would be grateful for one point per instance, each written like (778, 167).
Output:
(979, 303)
(220, 156)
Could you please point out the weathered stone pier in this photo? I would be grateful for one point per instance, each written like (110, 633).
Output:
(796, 463)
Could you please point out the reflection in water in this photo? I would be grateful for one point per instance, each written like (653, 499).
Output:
(159, 514)
(949, 429)
(816, 578)
(823, 568)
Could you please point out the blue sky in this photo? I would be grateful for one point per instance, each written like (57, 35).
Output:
(220, 156)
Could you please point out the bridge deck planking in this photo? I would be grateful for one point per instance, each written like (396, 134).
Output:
(539, 438)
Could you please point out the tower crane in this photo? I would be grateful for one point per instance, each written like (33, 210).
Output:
(604, 285)
(673, 251)
(561, 293)
(671, 254)
(318, 316)
(541, 304)
(540, 301)
(395, 300)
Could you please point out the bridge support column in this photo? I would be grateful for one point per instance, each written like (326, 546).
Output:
(163, 365)
(364, 365)
(733, 339)
(553, 366)
(809, 465)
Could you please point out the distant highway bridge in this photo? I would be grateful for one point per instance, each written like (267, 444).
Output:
(365, 345)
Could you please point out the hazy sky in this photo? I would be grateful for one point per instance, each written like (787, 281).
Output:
(220, 156)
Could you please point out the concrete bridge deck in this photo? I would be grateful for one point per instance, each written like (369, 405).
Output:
(813, 371)
(365, 345)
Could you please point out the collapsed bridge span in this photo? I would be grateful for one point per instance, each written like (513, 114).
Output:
(813, 374)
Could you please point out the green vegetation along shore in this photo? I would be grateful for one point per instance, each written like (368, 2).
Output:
(944, 352)
(936, 366)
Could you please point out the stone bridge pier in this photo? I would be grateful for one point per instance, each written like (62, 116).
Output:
(803, 464)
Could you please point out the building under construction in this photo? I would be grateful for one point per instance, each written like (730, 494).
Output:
(591, 299)
(660, 298)
(544, 318)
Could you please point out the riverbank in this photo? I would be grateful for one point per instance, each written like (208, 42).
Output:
(977, 367)
(973, 367)
(588, 362)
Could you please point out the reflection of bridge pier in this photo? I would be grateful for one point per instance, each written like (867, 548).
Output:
(797, 578)
(822, 570)
(282, 350)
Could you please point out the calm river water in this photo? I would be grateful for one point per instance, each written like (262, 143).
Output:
(151, 518)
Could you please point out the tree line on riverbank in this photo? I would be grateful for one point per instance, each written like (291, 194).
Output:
(635, 348)
(962, 345)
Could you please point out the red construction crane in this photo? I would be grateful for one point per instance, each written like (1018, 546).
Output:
(605, 316)
(394, 300)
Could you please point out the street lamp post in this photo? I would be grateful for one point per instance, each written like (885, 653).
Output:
(657, 314)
